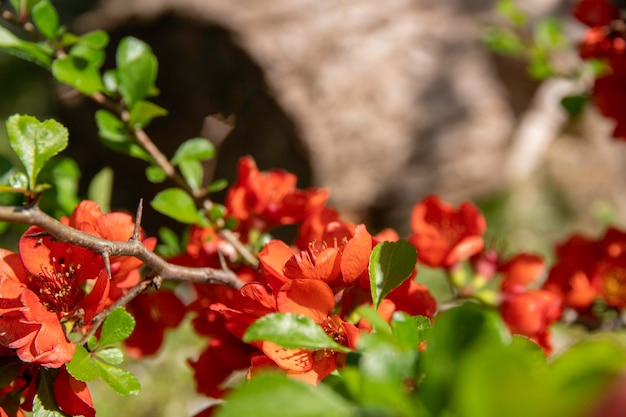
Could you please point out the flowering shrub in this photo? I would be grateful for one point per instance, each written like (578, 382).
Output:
(336, 323)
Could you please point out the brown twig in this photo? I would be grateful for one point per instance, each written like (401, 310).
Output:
(34, 216)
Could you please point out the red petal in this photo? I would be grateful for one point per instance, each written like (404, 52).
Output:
(72, 396)
(356, 254)
(312, 298)
(298, 360)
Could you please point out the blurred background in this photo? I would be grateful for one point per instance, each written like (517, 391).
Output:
(382, 104)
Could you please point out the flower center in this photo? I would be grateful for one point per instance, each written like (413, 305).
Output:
(57, 287)
(333, 326)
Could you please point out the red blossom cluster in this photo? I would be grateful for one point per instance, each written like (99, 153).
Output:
(50, 289)
(606, 40)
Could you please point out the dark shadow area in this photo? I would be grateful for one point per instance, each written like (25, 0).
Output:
(202, 71)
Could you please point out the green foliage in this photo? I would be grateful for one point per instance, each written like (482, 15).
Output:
(115, 135)
(188, 156)
(29, 51)
(46, 19)
(275, 395)
(35, 143)
(136, 70)
(9, 368)
(101, 188)
(391, 263)
(44, 404)
(100, 360)
(143, 112)
(177, 204)
(291, 331)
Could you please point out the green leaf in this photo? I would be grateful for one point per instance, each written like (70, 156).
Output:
(35, 142)
(503, 41)
(548, 34)
(111, 355)
(116, 327)
(136, 69)
(177, 204)
(574, 105)
(143, 112)
(79, 73)
(114, 135)
(46, 19)
(65, 176)
(96, 39)
(291, 331)
(511, 12)
(217, 186)
(409, 331)
(194, 149)
(192, 172)
(82, 366)
(276, 395)
(155, 174)
(109, 78)
(169, 239)
(120, 380)
(217, 212)
(29, 51)
(378, 324)
(101, 188)
(391, 263)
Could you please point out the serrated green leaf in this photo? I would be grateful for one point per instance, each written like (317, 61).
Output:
(391, 263)
(136, 69)
(116, 327)
(143, 112)
(44, 410)
(78, 72)
(276, 395)
(177, 204)
(198, 149)
(96, 39)
(217, 186)
(100, 188)
(291, 331)
(46, 19)
(112, 355)
(29, 51)
(155, 174)
(82, 366)
(192, 172)
(35, 142)
(120, 380)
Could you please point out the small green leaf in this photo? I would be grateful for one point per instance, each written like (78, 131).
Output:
(120, 380)
(574, 105)
(114, 135)
(116, 327)
(100, 188)
(511, 12)
(192, 172)
(155, 174)
(276, 395)
(379, 325)
(391, 263)
(96, 39)
(143, 112)
(217, 212)
(170, 239)
(291, 331)
(503, 41)
(111, 355)
(177, 204)
(28, 51)
(109, 78)
(548, 34)
(46, 19)
(136, 69)
(35, 142)
(195, 149)
(217, 186)
(64, 175)
(82, 365)
(79, 73)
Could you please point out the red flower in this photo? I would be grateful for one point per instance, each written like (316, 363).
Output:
(115, 226)
(444, 236)
(528, 312)
(263, 200)
(153, 312)
(596, 12)
(339, 259)
(41, 288)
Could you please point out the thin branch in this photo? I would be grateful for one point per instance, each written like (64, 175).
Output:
(34, 216)
(245, 253)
